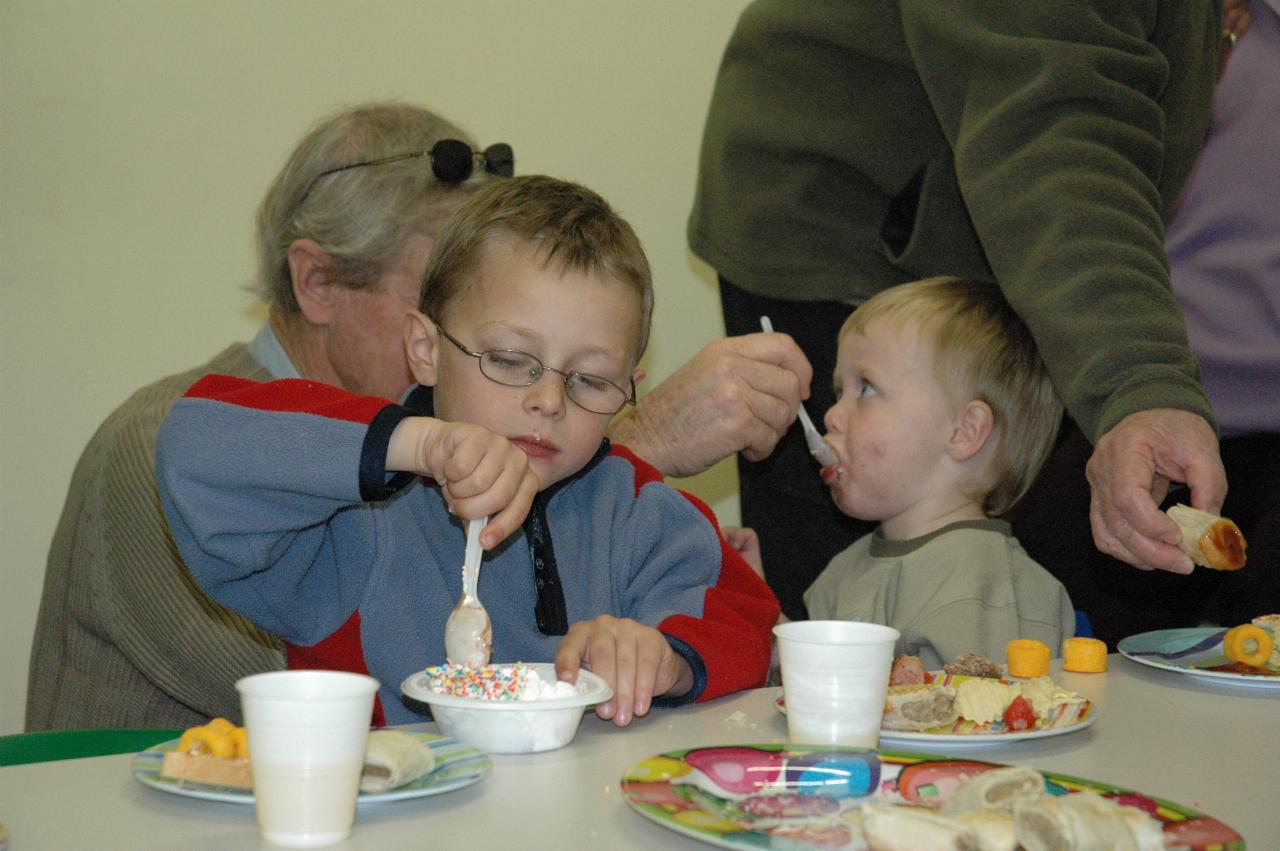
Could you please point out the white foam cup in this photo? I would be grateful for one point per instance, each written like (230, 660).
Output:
(834, 678)
(307, 732)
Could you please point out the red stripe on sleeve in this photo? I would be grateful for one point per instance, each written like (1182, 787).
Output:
(735, 633)
(734, 636)
(645, 472)
(294, 395)
(341, 651)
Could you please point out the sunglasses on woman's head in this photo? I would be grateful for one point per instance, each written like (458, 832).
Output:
(452, 161)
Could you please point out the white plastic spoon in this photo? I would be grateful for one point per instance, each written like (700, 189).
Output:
(468, 634)
(817, 446)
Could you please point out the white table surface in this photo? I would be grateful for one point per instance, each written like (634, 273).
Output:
(1165, 734)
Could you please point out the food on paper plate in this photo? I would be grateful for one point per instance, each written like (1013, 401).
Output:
(983, 700)
(393, 758)
(1084, 820)
(1046, 696)
(907, 671)
(1210, 540)
(1084, 655)
(891, 827)
(997, 789)
(993, 829)
(1248, 644)
(1008, 808)
(1271, 623)
(973, 665)
(919, 707)
(933, 701)
(1019, 715)
(216, 753)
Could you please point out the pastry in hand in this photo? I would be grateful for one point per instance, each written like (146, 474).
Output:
(1210, 540)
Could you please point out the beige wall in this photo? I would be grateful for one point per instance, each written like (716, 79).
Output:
(137, 136)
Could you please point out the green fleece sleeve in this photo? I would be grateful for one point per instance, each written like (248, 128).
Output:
(1066, 169)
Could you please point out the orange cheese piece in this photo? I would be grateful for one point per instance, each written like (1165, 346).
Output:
(1248, 644)
(216, 753)
(1084, 655)
(1027, 658)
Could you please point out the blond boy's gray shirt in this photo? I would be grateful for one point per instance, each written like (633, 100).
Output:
(967, 588)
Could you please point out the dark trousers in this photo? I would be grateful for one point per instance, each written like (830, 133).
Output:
(800, 528)
(782, 497)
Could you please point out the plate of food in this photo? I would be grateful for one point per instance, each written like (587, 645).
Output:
(403, 765)
(798, 797)
(979, 708)
(1247, 655)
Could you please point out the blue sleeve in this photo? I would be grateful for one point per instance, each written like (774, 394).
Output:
(685, 580)
(266, 507)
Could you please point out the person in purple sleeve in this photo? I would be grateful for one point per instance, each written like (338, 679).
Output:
(1224, 255)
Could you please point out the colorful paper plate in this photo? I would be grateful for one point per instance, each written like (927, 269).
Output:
(1195, 651)
(1069, 718)
(798, 797)
(457, 764)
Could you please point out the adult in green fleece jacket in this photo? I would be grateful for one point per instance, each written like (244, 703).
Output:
(852, 146)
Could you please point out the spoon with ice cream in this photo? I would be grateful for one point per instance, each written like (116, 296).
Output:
(468, 634)
(817, 446)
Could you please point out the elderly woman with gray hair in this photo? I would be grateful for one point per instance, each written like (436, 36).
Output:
(125, 638)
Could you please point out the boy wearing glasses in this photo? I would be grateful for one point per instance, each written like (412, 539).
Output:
(334, 520)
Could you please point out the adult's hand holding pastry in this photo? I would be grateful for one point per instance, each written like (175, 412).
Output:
(481, 473)
(1129, 474)
(1210, 540)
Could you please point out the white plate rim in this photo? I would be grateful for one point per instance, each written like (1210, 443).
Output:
(1220, 677)
(979, 740)
(145, 768)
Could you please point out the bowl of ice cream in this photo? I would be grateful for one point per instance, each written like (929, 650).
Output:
(519, 708)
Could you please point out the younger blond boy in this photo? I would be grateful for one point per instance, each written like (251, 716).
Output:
(944, 415)
(335, 521)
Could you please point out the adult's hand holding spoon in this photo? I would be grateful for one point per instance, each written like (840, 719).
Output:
(817, 446)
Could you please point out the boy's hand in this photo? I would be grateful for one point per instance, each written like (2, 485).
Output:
(634, 659)
(480, 473)
(745, 543)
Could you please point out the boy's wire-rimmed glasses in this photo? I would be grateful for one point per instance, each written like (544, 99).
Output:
(512, 368)
(452, 161)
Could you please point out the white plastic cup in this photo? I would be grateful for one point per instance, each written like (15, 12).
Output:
(834, 677)
(307, 733)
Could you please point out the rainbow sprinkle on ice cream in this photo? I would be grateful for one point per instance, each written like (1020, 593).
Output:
(495, 682)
